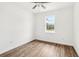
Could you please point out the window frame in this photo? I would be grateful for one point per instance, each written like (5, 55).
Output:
(46, 25)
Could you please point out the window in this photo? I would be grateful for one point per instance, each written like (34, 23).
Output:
(50, 24)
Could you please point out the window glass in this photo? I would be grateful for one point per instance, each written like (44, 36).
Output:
(50, 24)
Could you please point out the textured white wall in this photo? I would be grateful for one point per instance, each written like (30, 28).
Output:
(16, 26)
(76, 27)
(63, 26)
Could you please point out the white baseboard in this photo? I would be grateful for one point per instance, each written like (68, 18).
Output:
(14, 47)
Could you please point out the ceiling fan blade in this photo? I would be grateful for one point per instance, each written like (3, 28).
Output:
(43, 6)
(40, 2)
(34, 7)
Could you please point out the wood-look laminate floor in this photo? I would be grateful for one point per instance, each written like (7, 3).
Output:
(38, 48)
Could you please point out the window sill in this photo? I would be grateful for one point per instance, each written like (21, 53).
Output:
(50, 32)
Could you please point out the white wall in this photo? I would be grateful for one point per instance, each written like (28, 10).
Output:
(63, 26)
(76, 27)
(16, 26)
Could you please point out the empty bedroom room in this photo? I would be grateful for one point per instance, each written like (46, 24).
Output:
(39, 29)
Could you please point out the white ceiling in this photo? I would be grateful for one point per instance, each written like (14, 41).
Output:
(52, 6)
(49, 6)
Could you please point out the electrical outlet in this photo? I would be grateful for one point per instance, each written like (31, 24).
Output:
(11, 41)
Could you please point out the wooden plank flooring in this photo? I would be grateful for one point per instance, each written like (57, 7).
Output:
(38, 48)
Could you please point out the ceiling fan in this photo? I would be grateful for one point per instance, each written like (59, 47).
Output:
(39, 4)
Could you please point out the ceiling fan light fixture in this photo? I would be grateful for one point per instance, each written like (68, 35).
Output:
(39, 4)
